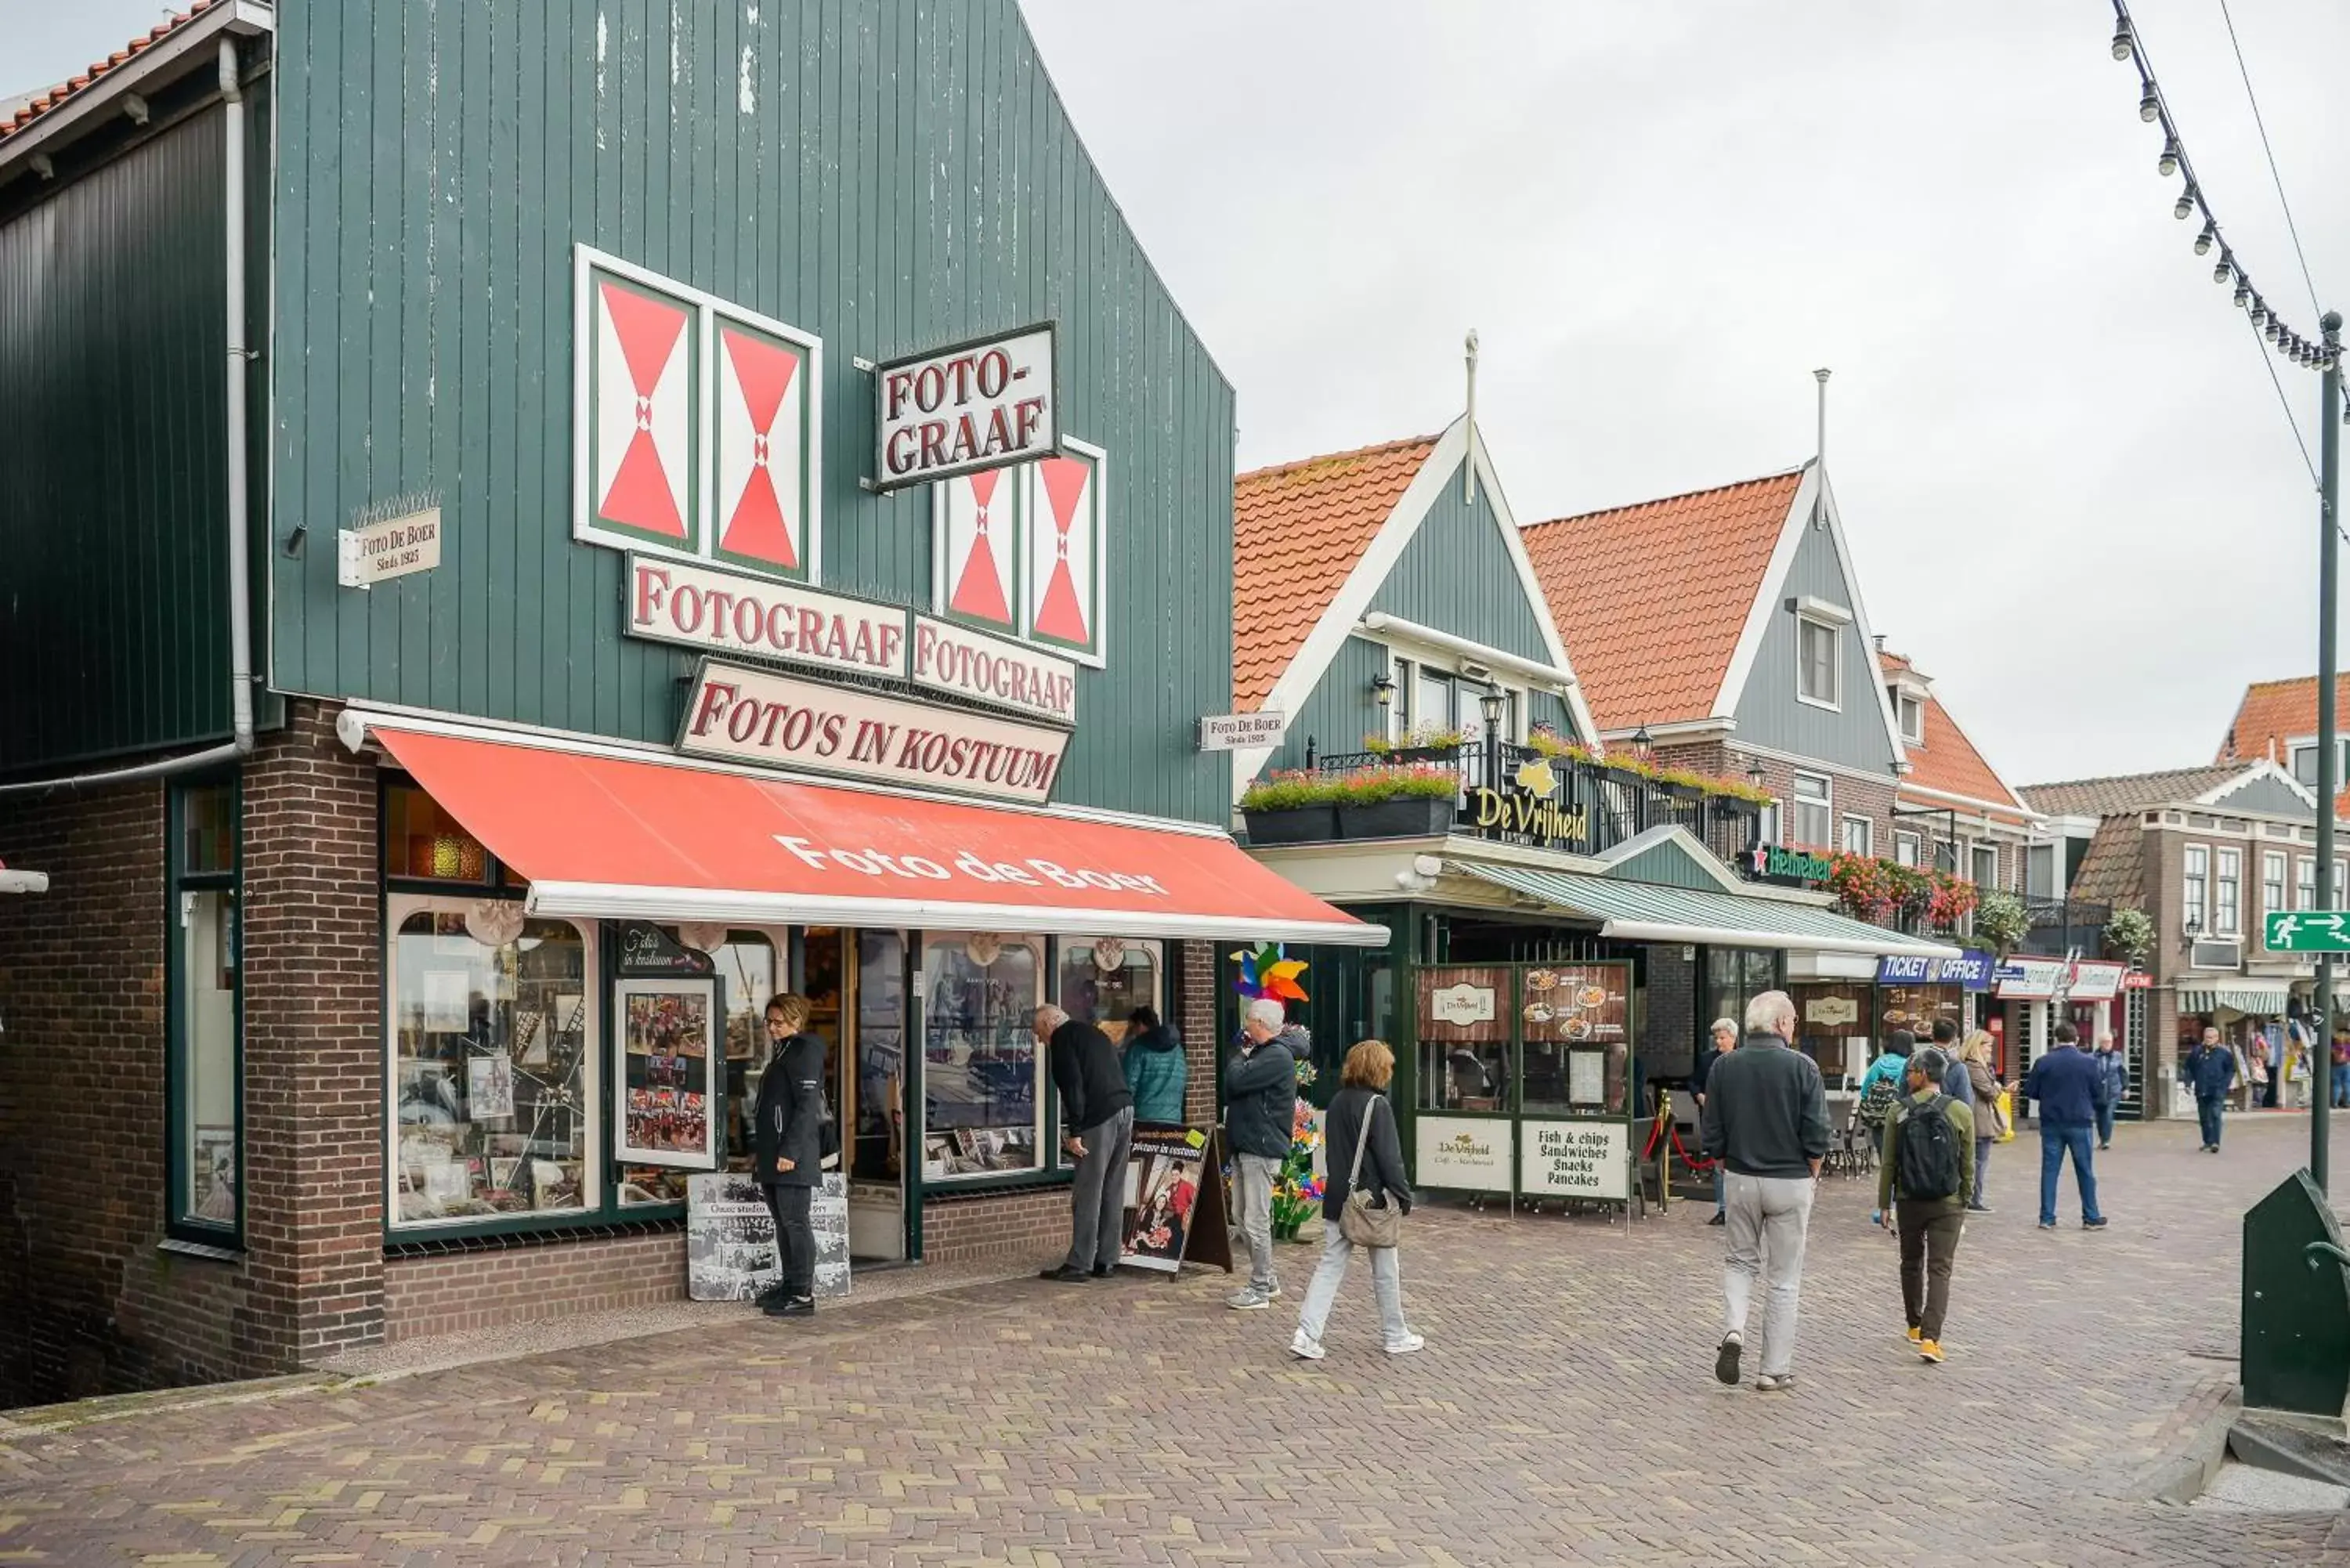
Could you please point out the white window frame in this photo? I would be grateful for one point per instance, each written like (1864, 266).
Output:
(2031, 854)
(1908, 848)
(2299, 745)
(2340, 882)
(2228, 893)
(1518, 702)
(2195, 885)
(2272, 883)
(2305, 885)
(397, 908)
(1824, 804)
(1834, 701)
(1771, 820)
(1975, 852)
(1867, 835)
(1911, 714)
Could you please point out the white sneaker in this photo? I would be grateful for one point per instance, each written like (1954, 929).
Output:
(1305, 1349)
(1248, 1300)
(1408, 1343)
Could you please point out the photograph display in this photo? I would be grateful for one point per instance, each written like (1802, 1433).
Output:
(668, 1058)
(1165, 1176)
(981, 1061)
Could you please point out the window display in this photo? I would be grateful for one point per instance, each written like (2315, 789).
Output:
(880, 1054)
(492, 1072)
(421, 840)
(1464, 1038)
(1105, 979)
(669, 1044)
(981, 1062)
(1918, 1008)
(745, 963)
(204, 978)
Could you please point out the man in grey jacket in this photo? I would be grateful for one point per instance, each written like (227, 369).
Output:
(1259, 1118)
(1766, 1119)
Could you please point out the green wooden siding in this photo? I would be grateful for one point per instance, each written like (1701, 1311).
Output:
(1456, 575)
(1669, 864)
(1550, 708)
(1341, 708)
(1769, 715)
(113, 487)
(888, 176)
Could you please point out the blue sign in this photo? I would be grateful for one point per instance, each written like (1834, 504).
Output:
(1973, 970)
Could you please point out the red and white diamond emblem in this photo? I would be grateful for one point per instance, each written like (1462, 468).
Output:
(644, 412)
(760, 464)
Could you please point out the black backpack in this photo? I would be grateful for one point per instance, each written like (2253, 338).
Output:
(1926, 1150)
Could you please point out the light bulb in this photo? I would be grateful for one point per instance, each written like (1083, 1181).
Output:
(2124, 45)
(2186, 204)
(2149, 107)
(2168, 164)
(2243, 293)
(2220, 274)
(2203, 241)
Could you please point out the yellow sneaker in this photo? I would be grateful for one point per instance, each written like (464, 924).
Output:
(1930, 1349)
(1916, 1335)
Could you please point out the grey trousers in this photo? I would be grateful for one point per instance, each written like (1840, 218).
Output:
(1769, 1218)
(1098, 1196)
(1255, 1175)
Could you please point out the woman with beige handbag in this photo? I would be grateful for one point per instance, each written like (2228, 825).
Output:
(1364, 1209)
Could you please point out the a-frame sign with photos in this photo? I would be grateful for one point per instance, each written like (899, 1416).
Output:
(697, 424)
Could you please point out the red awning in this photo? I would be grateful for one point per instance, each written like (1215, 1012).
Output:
(602, 835)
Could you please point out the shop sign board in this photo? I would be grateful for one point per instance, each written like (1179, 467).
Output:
(1461, 1154)
(727, 612)
(1237, 732)
(2096, 981)
(1464, 1003)
(2307, 930)
(742, 714)
(1971, 969)
(1581, 1159)
(2032, 978)
(1522, 816)
(1832, 1011)
(987, 403)
(395, 547)
(990, 669)
(1583, 1004)
(1777, 863)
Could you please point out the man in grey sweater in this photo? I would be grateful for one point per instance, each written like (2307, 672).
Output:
(1766, 1119)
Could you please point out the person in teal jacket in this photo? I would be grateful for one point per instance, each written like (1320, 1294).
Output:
(1154, 1068)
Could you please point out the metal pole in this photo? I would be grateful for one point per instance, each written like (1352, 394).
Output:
(2329, 426)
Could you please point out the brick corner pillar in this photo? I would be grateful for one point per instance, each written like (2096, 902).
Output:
(313, 957)
(1195, 993)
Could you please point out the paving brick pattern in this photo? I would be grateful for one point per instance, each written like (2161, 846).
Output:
(1563, 1412)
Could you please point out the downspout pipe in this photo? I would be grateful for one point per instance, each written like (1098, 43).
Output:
(240, 591)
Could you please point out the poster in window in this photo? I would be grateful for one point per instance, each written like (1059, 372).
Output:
(446, 993)
(669, 1051)
(1587, 1003)
(490, 1086)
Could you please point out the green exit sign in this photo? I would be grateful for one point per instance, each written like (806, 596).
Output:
(2308, 932)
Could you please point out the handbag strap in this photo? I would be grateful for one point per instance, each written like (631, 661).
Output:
(1354, 1175)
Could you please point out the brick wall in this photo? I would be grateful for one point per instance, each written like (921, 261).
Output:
(312, 1042)
(1194, 1012)
(997, 1224)
(1668, 1029)
(453, 1292)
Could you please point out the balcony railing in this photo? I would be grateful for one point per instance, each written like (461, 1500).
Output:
(2060, 925)
(1621, 804)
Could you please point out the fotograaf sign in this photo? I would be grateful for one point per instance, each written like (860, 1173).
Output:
(700, 607)
(987, 403)
(755, 715)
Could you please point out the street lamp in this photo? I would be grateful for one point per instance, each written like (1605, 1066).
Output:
(1641, 744)
(1490, 705)
(1383, 689)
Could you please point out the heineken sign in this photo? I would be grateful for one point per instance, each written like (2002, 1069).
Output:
(1777, 863)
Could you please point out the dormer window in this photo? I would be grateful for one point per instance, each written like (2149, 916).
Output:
(1912, 713)
(1819, 662)
(2303, 756)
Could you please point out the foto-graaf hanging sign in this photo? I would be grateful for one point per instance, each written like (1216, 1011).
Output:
(967, 663)
(758, 716)
(987, 403)
(700, 607)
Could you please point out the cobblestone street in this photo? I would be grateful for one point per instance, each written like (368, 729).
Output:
(1564, 1411)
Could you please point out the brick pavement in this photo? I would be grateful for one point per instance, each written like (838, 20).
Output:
(1564, 1412)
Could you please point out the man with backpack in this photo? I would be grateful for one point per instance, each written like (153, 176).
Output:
(1880, 1086)
(1923, 1184)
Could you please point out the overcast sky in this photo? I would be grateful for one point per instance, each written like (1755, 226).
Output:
(2073, 495)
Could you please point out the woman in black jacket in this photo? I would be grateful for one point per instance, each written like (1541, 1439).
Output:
(1360, 1111)
(787, 1143)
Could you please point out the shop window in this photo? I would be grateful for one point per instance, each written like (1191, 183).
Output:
(2227, 906)
(1464, 1075)
(423, 843)
(880, 1112)
(1818, 666)
(2305, 884)
(2197, 885)
(1815, 798)
(1103, 980)
(980, 1063)
(204, 1078)
(1857, 835)
(745, 963)
(492, 1067)
(1734, 977)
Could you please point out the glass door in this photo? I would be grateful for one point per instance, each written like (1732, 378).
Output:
(871, 1101)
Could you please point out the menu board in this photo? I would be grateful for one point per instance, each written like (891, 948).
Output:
(1163, 1182)
(1465, 1002)
(1576, 1159)
(1461, 1154)
(1585, 1004)
(1918, 1008)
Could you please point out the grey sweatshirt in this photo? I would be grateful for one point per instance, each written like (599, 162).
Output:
(1766, 1111)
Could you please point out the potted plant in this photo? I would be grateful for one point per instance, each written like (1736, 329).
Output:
(2001, 920)
(2129, 934)
(1405, 800)
(1291, 807)
(1426, 742)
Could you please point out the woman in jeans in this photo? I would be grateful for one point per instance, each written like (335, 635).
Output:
(1975, 1051)
(1361, 1110)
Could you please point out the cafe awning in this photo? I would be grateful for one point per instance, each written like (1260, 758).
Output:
(599, 835)
(2255, 998)
(1650, 913)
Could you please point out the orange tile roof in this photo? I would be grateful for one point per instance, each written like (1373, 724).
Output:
(40, 103)
(1945, 759)
(1650, 599)
(2274, 713)
(1297, 531)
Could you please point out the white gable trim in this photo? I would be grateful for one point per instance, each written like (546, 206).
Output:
(1514, 543)
(2263, 769)
(1640, 843)
(1767, 603)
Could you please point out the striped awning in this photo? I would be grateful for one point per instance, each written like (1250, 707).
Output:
(2259, 998)
(1650, 913)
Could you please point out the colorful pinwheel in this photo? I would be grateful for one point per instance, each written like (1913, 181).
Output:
(1270, 972)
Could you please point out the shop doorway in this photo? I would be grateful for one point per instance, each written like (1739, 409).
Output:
(855, 984)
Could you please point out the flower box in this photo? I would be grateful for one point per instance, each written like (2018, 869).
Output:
(1294, 824)
(1405, 816)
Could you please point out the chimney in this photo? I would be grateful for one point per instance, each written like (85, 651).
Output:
(1820, 452)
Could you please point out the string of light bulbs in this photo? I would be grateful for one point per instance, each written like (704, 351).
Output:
(2304, 350)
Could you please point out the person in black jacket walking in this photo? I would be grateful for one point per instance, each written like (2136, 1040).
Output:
(1097, 1116)
(788, 1149)
(1360, 1111)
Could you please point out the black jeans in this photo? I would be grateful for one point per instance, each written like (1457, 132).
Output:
(794, 1239)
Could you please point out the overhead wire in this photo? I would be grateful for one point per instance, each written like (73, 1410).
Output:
(2274, 173)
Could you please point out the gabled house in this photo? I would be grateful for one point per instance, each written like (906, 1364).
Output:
(2278, 720)
(2204, 853)
(1952, 809)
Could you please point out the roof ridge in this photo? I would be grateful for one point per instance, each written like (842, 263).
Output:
(1676, 495)
(41, 100)
(1375, 449)
(2237, 766)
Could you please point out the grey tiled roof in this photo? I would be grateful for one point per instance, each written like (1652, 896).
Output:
(2113, 869)
(2134, 792)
